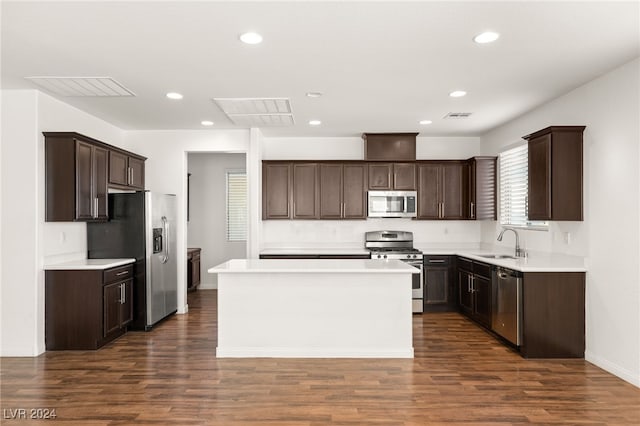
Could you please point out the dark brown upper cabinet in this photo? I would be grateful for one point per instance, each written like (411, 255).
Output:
(389, 146)
(306, 203)
(442, 190)
(482, 188)
(392, 176)
(555, 173)
(276, 190)
(342, 190)
(126, 171)
(76, 178)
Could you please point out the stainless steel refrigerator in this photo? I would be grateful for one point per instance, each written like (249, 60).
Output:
(142, 225)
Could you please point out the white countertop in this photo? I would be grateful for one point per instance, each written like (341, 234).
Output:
(87, 264)
(335, 251)
(304, 266)
(535, 262)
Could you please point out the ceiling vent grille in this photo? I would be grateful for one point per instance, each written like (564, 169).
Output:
(82, 86)
(457, 115)
(257, 112)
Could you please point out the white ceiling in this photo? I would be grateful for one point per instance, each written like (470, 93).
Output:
(382, 66)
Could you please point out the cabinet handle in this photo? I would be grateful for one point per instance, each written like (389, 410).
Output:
(468, 283)
(442, 210)
(344, 209)
(288, 210)
(436, 261)
(473, 283)
(122, 294)
(122, 273)
(129, 175)
(472, 210)
(95, 207)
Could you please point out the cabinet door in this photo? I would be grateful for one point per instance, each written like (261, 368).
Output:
(540, 178)
(195, 266)
(380, 176)
(482, 299)
(305, 199)
(436, 285)
(118, 164)
(330, 189)
(84, 181)
(126, 306)
(428, 194)
(276, 191)
(465, 295)
(136, 177)
(112, 308)
(453, 192)
(404, 176)
(100, 177)
(354, 195)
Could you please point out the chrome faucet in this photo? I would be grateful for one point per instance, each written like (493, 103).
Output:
(519, 252)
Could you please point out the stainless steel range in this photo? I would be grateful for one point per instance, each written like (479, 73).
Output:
(399, 245)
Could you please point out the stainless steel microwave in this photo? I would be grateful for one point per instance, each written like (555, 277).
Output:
(392, 203)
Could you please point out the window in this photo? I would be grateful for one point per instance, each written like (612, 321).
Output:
(514, 181)
(236, 205)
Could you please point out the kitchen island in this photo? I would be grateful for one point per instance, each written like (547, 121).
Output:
(317, 308)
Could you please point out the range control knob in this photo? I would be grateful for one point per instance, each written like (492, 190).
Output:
(385, 256)
(414, 256)
(408, 256)
(379, 256)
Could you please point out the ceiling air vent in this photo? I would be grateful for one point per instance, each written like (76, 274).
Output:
(457, 115)
(257, 112)
(82, 86)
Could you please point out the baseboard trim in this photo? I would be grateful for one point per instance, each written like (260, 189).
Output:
(18, 351)
(208, 286)
(261, 352)
(615, 369)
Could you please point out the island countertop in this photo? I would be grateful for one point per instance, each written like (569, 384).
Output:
(351, 266)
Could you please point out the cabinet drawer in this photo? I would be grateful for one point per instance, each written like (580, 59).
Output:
(482, 269)
(118, 274)
(436, 261)
(465, 264)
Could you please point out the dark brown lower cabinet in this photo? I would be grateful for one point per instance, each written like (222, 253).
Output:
(474, 290)
(439, 284)
(85, 309)
(553, 324)
(193, 268)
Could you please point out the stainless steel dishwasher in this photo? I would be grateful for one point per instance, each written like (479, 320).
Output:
(506, 317)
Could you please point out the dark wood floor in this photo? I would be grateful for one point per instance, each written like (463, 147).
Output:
(460, 375)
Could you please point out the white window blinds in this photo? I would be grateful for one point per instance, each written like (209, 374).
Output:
(514, 181)
(236, 206)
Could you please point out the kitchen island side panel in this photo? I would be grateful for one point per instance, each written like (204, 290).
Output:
(314, 315)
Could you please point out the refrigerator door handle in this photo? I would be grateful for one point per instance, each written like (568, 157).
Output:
(165, 230)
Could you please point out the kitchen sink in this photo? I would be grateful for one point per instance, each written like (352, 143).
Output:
(497, 256)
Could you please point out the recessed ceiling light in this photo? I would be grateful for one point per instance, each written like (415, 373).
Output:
(314, 94)
(315, 122)
(486, 37)
(457, 93)
(174, 95)
(206, 123)
(426, 121)
(251, 38)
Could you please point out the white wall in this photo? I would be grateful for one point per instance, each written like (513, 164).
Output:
(610, 234)
(27, 241)
(20, 262)
(317, 233)
(207, 214)
(166, 172)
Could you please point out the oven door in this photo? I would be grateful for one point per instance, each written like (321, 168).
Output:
(417, 289)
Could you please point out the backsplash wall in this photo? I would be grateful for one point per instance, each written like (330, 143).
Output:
(350, 234)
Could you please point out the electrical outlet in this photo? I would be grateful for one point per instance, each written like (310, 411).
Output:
(567, 238)
(63, 237)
